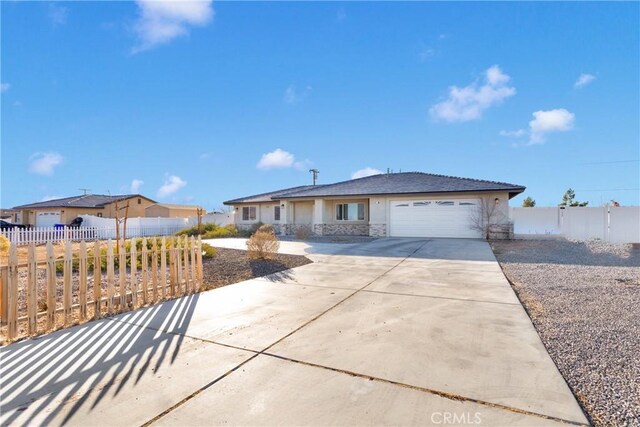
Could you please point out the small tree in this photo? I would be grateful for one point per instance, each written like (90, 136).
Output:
(263, 244)
(528, 203)
(568, 199)
(485, 215)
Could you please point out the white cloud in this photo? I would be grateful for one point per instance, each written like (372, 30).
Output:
(583, 80)
(294, 96)
(368, 171)
(277, 158)
(4, 87)
(469, 102)
(513, 133)
(205, 156)
(544, 122)
(44, 163)
(58, 14)
(171, 184)
(341, 15)
(161, 21)
(135, 185)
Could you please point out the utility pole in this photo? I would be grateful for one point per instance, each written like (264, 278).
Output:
(315, 173)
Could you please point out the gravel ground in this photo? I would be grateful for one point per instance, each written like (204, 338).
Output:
(232, 266)
(584, 300)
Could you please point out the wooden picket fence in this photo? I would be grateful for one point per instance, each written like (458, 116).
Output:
(163, 268)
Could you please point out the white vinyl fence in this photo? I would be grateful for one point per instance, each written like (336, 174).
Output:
(608, 223)
(94, 227)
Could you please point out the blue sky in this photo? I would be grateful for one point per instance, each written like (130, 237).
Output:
(199, 103)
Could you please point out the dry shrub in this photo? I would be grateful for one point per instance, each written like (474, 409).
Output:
(303, 232)
(263, 244)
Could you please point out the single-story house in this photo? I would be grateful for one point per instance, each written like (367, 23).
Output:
(166, 210)
(407, 204)
(63, 211)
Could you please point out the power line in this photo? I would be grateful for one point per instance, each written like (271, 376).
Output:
(614, 189)
(613, 161)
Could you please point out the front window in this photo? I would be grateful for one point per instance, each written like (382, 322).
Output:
(249, 213)
(276, 213)
(350, 212)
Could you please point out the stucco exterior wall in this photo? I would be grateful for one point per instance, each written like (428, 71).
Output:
(303, 212)
(161, 211)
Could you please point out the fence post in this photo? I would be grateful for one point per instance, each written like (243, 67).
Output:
(194, 268)
(178, 265)
(82, 280)
(51, 287)
(4, 286)
(32, 290)
(185, 254)
(97, 278)
(111, 287)
(163, 268)
(154, 270)
(199, 261)
(145, 271)
(68, 272)
(172, 267)
(134, 273)
(12, 300)
(122, 274)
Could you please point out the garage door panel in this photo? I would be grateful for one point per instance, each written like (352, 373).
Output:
(47, 219)
(433, 218)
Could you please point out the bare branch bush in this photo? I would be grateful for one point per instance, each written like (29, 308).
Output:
(485, 216)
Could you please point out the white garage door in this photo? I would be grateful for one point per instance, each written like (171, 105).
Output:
(47, 219)
(433, 218)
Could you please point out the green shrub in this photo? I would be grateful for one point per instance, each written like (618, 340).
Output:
(193, 231)
(220, 232)
(208, 251)
(4, 244)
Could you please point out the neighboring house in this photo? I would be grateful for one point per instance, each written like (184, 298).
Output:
(408, 204)
(63, 211)
(166, 210)
(8, 214)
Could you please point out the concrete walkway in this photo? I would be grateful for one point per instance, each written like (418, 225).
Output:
(391, 332)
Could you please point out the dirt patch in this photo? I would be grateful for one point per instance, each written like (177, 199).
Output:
(232, 266)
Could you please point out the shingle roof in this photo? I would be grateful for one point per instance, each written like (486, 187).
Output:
(391, 183)
(83, 201)
(270, 196)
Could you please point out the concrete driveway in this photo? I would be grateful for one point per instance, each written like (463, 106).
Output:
(391, 332)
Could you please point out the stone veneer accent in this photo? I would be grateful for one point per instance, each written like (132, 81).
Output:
(345, 229)
(378, 230)
(501, 231)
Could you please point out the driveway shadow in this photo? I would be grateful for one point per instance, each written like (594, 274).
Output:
(104, 355)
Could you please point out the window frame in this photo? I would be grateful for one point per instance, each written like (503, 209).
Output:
(276, 213)
(249, 210)
(343, 208)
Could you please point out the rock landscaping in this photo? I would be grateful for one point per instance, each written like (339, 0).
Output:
(584, 300)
